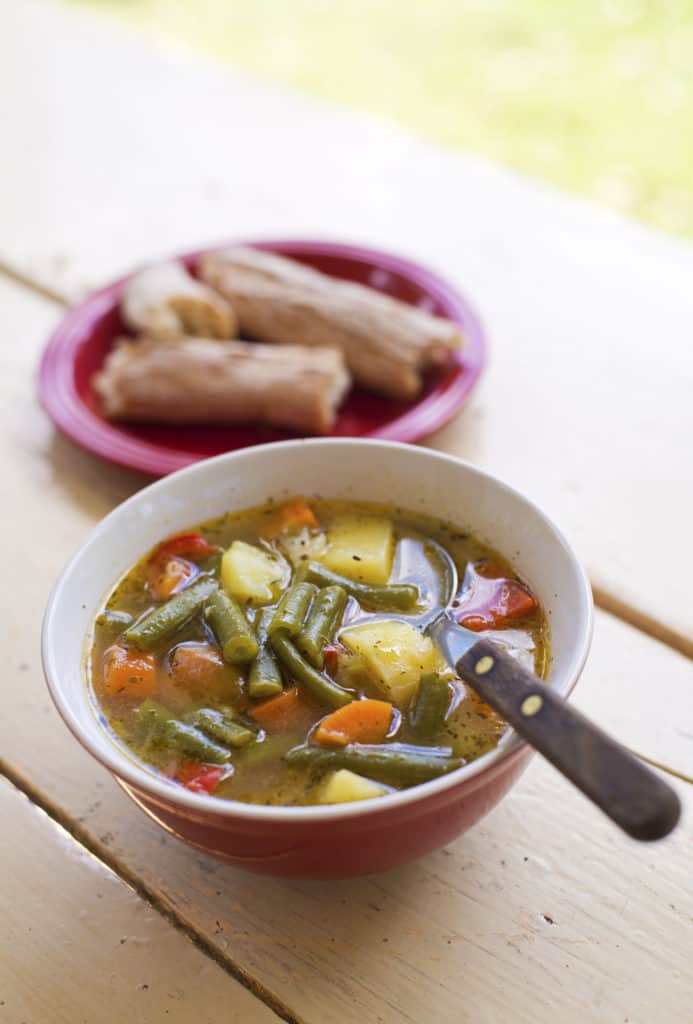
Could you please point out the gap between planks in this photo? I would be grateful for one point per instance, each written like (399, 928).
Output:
(633, 616)
(155, 901)
(603, 597)
(24, 281)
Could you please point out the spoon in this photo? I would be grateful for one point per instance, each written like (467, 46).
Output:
(636, 799)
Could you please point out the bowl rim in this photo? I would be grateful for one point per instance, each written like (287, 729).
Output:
(163, 791)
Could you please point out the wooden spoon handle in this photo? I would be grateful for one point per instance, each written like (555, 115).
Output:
(629, 793)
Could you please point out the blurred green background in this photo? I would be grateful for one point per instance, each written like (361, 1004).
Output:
(594, 97)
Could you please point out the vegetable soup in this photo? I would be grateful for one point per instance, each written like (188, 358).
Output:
(279, 655)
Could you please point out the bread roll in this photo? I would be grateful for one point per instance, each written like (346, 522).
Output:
(164, 301)
(387, 344)
(196, 380)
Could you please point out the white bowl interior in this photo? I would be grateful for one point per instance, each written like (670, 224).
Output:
(414, 478)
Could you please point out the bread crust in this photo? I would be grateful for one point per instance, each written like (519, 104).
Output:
(164, 301)
(387, 344)
(204, 380)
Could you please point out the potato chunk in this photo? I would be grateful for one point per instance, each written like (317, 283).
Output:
(251, 575)
(343, 787)
(394, 654)
(360, 547)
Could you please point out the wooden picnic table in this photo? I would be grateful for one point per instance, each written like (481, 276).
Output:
(115, 151)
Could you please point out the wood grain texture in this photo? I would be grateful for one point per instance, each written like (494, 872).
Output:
(544, 912)
(586, 401)
(79, 946)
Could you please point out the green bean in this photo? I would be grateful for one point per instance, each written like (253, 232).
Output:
(149, 724)
(231, 628)
(402, 596)
(165, 620)
(112, 622)
(321, 625)
(221, 728)
(322, 687)
(265, 677)
(430, 706)
(156, 728)
(392, 763)
(291, 610)
(193, 743)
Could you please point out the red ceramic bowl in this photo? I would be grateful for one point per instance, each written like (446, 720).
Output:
(81, 341)
(339, 840)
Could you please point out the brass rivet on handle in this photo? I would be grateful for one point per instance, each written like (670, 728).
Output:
(484, 665)
(531, 705)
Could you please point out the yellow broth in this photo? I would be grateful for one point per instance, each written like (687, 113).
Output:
(181, 684)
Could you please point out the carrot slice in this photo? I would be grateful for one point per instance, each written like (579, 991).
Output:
(128, 673)
(283, 713)
(166, 576)
(292, 515)
(362, 721)
(196, 664)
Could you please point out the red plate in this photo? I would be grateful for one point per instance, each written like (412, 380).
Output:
(78, 347)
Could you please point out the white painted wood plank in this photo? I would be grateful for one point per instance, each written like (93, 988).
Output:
(586, 402)
(636, 688)
(78, 945)
(460, 936)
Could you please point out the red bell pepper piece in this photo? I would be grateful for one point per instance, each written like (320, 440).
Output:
(169, 569)
(491, 600)
(200, 778)
(331, 653)
(187, 545)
